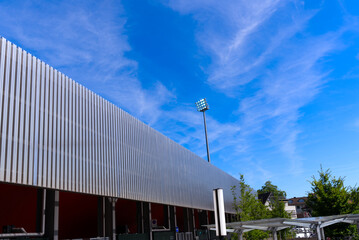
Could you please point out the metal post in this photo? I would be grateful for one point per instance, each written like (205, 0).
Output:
(205, 131)
(274, 233)
(194, 223)
(168, 217)
(56, 215)
(142, 219)
(186, 220)
(175, 215)
(103, 217)
(175, 220)
(318, 232)
(113, 213)
(240, 235)
(52, 214)
(150, 219)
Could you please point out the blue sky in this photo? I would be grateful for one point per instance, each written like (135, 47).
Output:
(281, 77)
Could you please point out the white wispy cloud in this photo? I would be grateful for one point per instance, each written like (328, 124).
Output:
(260, 45)
(263, 43)
(185, 125)
(227, 30)
(87, 41)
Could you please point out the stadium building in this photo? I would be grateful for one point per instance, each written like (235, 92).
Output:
(73, 165)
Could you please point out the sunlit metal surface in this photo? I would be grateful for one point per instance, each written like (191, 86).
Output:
(57, 134)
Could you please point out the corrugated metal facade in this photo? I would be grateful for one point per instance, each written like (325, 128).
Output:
(57, 134)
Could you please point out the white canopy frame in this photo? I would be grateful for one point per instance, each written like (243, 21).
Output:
(276, 224)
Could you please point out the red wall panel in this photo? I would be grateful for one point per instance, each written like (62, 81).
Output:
(158, 213)
(180, 219)
(18, 206)
(77, 215)
(126, 215)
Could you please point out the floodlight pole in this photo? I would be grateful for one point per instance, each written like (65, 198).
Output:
(205, 131)
(202, 106)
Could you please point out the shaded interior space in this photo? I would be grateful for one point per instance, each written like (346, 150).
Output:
(126, 218)
(158, 216)
(201, 219)
(211, 217)
(83, 216)
(180, 219)
(18, 206)
(77, 215)
(196, 219)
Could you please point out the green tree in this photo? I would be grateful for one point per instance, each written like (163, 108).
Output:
(268, 187)
(354, 200)
(276, 205)
(249, 208)
(330, 196)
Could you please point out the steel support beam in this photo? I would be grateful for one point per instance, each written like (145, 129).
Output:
(274, 233)
(150, 220)
(52, 214)
(318, 232)
(193, 223)
(173, 220)
(188, 220)
(140, 217)
(240, 235)
(166, 217)
(107, 217)
(111, 218)
(40, 210)
(101, 217)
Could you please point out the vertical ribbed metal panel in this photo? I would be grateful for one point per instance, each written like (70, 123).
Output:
(57, 134)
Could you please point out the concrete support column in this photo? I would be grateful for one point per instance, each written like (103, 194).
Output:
(166, 216)
(173, 218)
(188, 220)
(40, 210)
(52, 214)
(147, 219)
(193, 223)
(111, 218)
(140, 217)
(107, 217)
(101, 216)
(185, 220)
(150, 220)
(174, 226)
